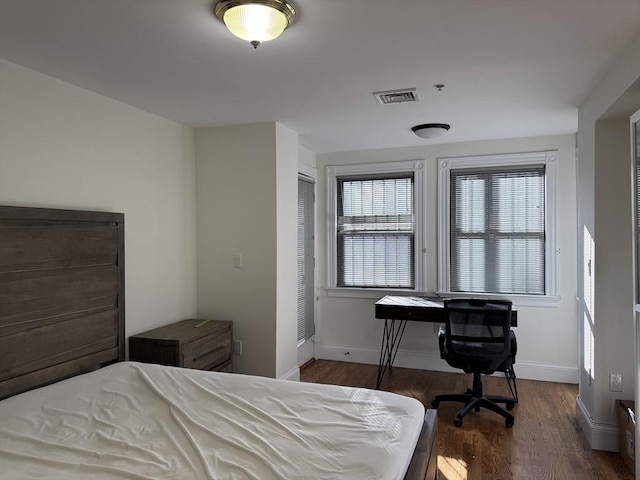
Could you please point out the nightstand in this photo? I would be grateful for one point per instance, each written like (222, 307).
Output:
(193, 343)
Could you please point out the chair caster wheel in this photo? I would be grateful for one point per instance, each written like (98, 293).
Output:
(510, 405)
(457, 422)
(508, 422)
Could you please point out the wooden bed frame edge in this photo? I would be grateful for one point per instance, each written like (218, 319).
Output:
(424, 463)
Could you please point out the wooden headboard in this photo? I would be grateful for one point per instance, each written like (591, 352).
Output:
(61, 294)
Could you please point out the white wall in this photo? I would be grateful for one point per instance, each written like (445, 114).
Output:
(547, 337)
(614, 272)
(603, 213)
(246, 204)
(306, 156)
(287, 155)
(65, 147)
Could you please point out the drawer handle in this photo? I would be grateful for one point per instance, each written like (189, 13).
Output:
(206, 354)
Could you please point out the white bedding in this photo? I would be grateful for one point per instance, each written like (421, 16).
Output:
(140, 421)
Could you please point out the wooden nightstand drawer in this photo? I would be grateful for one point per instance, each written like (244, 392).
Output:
(207, 352)
(192, 343)
(225, 367)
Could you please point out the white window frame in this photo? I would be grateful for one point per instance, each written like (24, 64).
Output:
(333, 172)
(445, 165)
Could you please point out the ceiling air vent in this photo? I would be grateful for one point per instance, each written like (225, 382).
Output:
(396, 96)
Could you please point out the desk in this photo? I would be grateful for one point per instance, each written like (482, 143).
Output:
(396, 311)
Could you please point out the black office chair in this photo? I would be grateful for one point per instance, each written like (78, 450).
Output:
(477, 338)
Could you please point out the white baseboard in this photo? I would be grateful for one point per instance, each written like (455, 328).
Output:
(546, 372)
(432, 361)
(601, 436)
(293, 374)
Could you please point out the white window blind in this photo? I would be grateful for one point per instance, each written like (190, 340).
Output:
(497, 230)
(306, 262)
(375, 231)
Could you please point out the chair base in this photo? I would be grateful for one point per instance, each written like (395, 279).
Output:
(490, 402)
(474, 399)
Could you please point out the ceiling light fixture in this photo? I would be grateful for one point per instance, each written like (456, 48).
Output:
(431, 130)
(255, 21)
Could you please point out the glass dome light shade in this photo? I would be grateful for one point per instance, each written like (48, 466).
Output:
(431, 130)
(253, 22)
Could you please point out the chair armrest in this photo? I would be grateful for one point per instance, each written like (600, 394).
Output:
(514, 346)
(442, 339)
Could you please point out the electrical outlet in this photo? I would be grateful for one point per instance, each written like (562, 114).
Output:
(237, 347)
(615, 382)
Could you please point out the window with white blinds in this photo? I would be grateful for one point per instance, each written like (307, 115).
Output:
(497, 218)
(306, 260)
(375, 231)
(375, 228)
(498, 230)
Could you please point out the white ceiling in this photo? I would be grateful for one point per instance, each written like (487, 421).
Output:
(511, 67)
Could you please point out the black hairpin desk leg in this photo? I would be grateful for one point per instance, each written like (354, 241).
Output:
(393, 331)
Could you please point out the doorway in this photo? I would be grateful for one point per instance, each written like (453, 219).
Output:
(306, 268)
(635, 159)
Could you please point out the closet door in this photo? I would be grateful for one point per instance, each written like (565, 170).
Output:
(306, 268)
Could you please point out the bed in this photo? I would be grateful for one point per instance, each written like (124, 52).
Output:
(74, 408)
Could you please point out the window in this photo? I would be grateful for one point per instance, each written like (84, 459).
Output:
(376, 225)
(375, 234)
(497, 217)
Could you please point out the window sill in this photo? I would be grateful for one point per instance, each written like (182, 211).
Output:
(545, 301)
(345, 292)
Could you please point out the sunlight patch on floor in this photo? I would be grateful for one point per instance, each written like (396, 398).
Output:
(451, 468)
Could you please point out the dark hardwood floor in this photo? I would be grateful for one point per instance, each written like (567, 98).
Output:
(545, 442)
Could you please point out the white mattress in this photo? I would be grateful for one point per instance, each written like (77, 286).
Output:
(140, 421)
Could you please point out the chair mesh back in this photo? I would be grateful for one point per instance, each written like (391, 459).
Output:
(478, 330)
